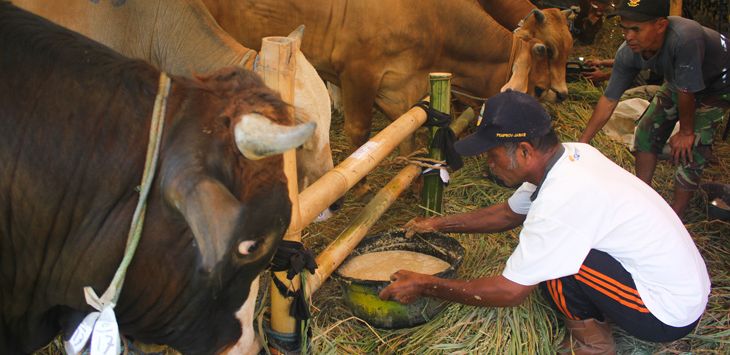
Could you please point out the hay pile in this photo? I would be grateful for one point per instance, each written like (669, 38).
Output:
(532, 328)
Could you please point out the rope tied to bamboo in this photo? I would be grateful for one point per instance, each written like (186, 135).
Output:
(417, 158)
(444, 138)
(294, 258)
(101, 326)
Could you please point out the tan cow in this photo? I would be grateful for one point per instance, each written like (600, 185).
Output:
(508, 13)
(182, 38)
(380, 52)
(554, 33)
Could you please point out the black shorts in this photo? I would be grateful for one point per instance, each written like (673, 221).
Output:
(604, 289)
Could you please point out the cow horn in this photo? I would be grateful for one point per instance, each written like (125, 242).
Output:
(258, 137)
(570, 14)
(297, 35)
(539, 16)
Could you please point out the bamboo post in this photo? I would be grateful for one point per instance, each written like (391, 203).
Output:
(433, 187)
(277, 66)
(335, 253)
(335, 183)
(675, 8)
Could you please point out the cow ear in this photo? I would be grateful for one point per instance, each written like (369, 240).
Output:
(539, 16)
(211, 213)
(519, 79)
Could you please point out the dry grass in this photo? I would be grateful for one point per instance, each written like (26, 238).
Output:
(532, 328)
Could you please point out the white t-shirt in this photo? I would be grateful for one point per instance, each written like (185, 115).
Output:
(588, 202)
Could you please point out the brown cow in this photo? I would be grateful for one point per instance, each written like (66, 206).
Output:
(508, 13)
(381, 52)
(74, 126)
(555, 33)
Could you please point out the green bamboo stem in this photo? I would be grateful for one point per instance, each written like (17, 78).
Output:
(433, 188)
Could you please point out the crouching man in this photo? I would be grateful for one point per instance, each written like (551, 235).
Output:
(599, 242)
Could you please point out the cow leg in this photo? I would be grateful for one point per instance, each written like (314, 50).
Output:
(359, 88)
(408, 145)
(248, 343)
(398, 99)
(358, 98)
(335, 96)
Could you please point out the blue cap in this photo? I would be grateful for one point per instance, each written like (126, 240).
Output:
(510, 116)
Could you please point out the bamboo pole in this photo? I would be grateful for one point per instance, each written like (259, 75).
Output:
(675, 8)
(433, 187)
(335, 253)
(335, 183)
(277, 66)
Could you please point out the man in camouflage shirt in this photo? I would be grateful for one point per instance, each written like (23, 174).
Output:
(695, 62)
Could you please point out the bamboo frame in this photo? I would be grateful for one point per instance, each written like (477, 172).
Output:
(335, 183)
(277, 64)
(675, 8)
(335, 253)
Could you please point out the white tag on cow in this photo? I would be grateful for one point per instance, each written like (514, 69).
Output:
(81, 335)
(444, 174)
(105, 339)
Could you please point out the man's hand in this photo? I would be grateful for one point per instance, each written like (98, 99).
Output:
(681, 144)
(419, 225)
(597, 75)
(596, 63)
(406, 287)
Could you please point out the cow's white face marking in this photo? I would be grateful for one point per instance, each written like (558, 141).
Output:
(248, 343)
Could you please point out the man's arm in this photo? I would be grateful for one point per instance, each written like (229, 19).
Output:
(495, 218)
(494, 291)
(683, 141)
(601, 113)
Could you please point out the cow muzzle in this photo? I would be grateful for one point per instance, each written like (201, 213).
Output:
(258, 137)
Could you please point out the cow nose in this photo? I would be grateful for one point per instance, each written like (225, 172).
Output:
(538, 91)
(337, 204)
(247, 247)
(561, 96)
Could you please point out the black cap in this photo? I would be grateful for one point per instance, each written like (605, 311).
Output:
(507, 117)
(642, 10)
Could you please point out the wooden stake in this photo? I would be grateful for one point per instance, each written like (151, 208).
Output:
(675, 8)
(277, 66)
(331, 258)
(433, 187)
